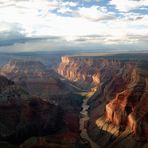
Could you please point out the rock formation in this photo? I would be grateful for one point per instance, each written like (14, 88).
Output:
(53, 117)
(119, 107)
(33, 76)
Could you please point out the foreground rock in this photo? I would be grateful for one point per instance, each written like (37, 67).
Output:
(23, 116)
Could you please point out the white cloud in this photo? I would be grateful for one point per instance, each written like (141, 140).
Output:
(66, 7)
(71, 4)
(126, 5)
(35, 18)
(95, 13)
(64, 10)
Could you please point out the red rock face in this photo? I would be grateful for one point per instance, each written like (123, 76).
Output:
(76, 70)
(87, 70)
(122, 96)
(129, 106)
(115, 109)
(138, 119)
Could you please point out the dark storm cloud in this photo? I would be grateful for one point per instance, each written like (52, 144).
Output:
(11, 38)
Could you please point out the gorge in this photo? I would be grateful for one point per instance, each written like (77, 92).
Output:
(89, 101)
(118, 109)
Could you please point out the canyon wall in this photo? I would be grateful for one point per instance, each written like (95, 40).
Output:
(23, 117)
(79, 70)
(33, 76)
(119, 108)
(35, 103)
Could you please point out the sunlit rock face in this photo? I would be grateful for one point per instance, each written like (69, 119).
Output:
(137, 120)
(119, 106)
(130, 107)
(87, 70)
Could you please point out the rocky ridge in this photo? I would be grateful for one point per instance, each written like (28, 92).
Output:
(118, 110)
(33, 76)
(52, 119)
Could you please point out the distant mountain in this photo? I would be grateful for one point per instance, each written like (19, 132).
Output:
(33, 76)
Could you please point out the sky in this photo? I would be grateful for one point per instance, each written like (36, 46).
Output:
(44, 25)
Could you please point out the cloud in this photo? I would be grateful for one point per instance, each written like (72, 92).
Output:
(95, 13)
(94, 38)
(67, 23)
(14, 34)
(64, 10)
(69, 3)
(66, 7)
(32, 44)
(14, 37)
(139, 38)
(127, 5)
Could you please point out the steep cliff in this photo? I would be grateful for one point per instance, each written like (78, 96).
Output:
(10, 92)
(118, 110)
(86, 70)
(34, 117)
(10, 95)
(54, 117)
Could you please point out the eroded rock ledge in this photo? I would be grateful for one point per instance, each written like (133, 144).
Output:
(119, 109)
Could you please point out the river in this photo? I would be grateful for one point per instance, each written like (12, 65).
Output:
(84, 117)
(83, 123)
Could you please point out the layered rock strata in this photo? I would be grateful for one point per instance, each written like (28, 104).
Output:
(119, 106)
(33, 76)
(24, 117)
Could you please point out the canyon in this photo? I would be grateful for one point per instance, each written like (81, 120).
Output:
(118, 111)
(84, 101)
(36, 104)
(35, 78)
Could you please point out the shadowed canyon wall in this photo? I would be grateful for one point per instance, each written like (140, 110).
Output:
(36, 104)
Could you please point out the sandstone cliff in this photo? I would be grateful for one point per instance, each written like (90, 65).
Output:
(86, 70)
(118, 110)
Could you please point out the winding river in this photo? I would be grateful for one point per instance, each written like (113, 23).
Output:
(84, 118)
(83, 123)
